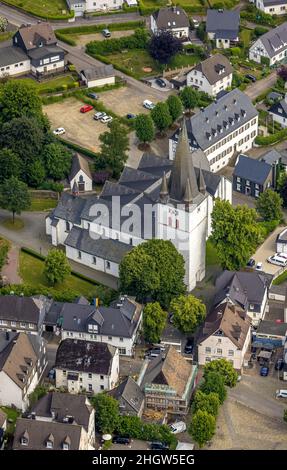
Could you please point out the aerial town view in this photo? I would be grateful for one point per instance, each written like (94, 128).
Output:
(143, 227)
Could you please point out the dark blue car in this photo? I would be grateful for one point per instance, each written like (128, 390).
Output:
(264, 371)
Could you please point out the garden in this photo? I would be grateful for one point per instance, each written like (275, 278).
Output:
(53, 9)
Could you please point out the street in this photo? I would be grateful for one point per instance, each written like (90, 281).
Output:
(260, 86)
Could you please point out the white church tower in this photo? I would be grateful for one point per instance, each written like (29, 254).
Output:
(183, 210)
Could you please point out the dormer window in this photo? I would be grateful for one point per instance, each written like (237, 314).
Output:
(50, 442)
(92, 327)
(25, 438)
(168, 24)
(66, 444)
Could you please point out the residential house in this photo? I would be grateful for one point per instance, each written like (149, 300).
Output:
(130, 398)
(252, 177)
(222, 26)
(248, 290)
(79, 7)
(13, 62)
(281, 242)
(271, 47)
(226, 334)
(272, 7)
(3, 427)
(172, 19)
(80, 176)
(22, 363)
(168, 382)
(20, 313)
(118, 325)
(66, 408)
(171, 201)
(278, 111)
(278, 293)
(223, 128)
(211, 75)
(86, 366)
(98, 76)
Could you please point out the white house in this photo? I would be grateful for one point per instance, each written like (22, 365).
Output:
(226, 334)
(172, 19)
(278, 111)
(222, 26)
(23, 314)
(86, 366)
(98, 76)
(272, 7)
(90, 6)
(228, 125)
(22, 363)
(212, 75)
(271, 46)
(80, 176)
(281, 242)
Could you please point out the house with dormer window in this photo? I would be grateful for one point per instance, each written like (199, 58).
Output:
(271, 47)
(272, 7)
(211, 76)
(172, 19)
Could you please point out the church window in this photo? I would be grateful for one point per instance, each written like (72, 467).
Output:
(177, 223)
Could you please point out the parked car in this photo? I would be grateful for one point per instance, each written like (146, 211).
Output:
(121, 440)
(195, 23)
(160, 82)
(86, 108)
(153, 352)
(148, 104)
(277, 260)
(281, 394)
(251, 262)
(177, 427)
(131, 116)
(106, 119)
(106, 33)
(259, 266)
(93, 95)
(264, 371)
(279, 364)
(189, 346)
(250, 77)
(59, 131)
(99, 115)
(157, 445)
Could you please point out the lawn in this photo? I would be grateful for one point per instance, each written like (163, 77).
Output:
(134, 60)
(43, 204)
(43, 8)
(211, 254)
(18, 224)
(5, 36)
(12, 415)
(54, 84)
(31, 271)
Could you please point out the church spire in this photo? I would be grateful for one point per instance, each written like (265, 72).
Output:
(183, 168)
(187, 198)
(201, 182)
(164, 189)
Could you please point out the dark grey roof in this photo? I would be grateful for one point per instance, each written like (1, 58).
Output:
(37, 34)
(282, 105)
(224, 23)
(99, 72)
(108, 249)
(79, 163)
(272, 328)
(42, 52)
(271, 157)
(85, 356)
(130, 392)
(20, 308)
(12, 55)
(274, 40)
(171, 18)
(215, 68)
(253, 170)
(38, 433)
(273, 95)
(270, 3)
(69, 208)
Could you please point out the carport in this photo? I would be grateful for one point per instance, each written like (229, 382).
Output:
(266, 355)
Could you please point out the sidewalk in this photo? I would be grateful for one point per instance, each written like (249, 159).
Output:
(10, 269)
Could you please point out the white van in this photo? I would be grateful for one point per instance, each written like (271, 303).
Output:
(278, 260)
(281, 393)
(148, 104)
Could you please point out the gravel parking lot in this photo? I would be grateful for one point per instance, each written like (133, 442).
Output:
(80, 128)
(83, 39)
(124, 100)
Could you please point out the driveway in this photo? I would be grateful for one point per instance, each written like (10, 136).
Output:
(260, 86)
(267, 249)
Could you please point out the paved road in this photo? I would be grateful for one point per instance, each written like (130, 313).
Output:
(260, 86)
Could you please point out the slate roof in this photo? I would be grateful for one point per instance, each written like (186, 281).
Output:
(96, 73)
(38, 432)
(274, 40)
(12, 55)
(271, 3)
(79, 163)
(282, 105)
(253, 170)
(215, 68)
(85, 356)
(42, 52)
(21, 308)
(271, 157)
(272, 328)
(225, 24)
(69, 208)
(130, 392)
(33, 34)
(171, 18)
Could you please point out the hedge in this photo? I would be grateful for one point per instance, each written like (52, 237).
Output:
(267, 227)
(78, 148)
(138, 40)
(4, 248)
(271, 139)
(88, 29)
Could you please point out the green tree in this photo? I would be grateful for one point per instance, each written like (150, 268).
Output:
(106, 414)
(206, 402)
(35, 173)
(144, 128)
(285, 415)
(154, 320)
(10, 164)
(19, 98)
(114, 147)
(188, 312)
(269, 205)
(161, 116)
(3, 24)
(224, 368)
(214, 383)
(56, 267)
(14, 196)
(153, 269)
(57, 160)
(189, 98)
(202, 427)
(235, 234)
(164, 46)
(174, 104)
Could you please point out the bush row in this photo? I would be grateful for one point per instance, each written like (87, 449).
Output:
(4, 248)
(87, 29)
(138, 40)
(271, 139)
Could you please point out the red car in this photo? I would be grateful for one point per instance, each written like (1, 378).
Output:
(86, 108)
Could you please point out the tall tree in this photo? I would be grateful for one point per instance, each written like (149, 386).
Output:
(225, 369)
(161, 116)
(57, 267)
(153, 269)
(14, 196)
(144, 128)
(214, 383)
(114, 147)
(35, 173)
(235, 234)
(57, 160)
(269, 205)
(189, 98)
(188, 312)
(206, 402)
(154, 320)
(174, 104)
(19, 98)
(107, 413)
(164, 46)
(202, 427)
(10, 164)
